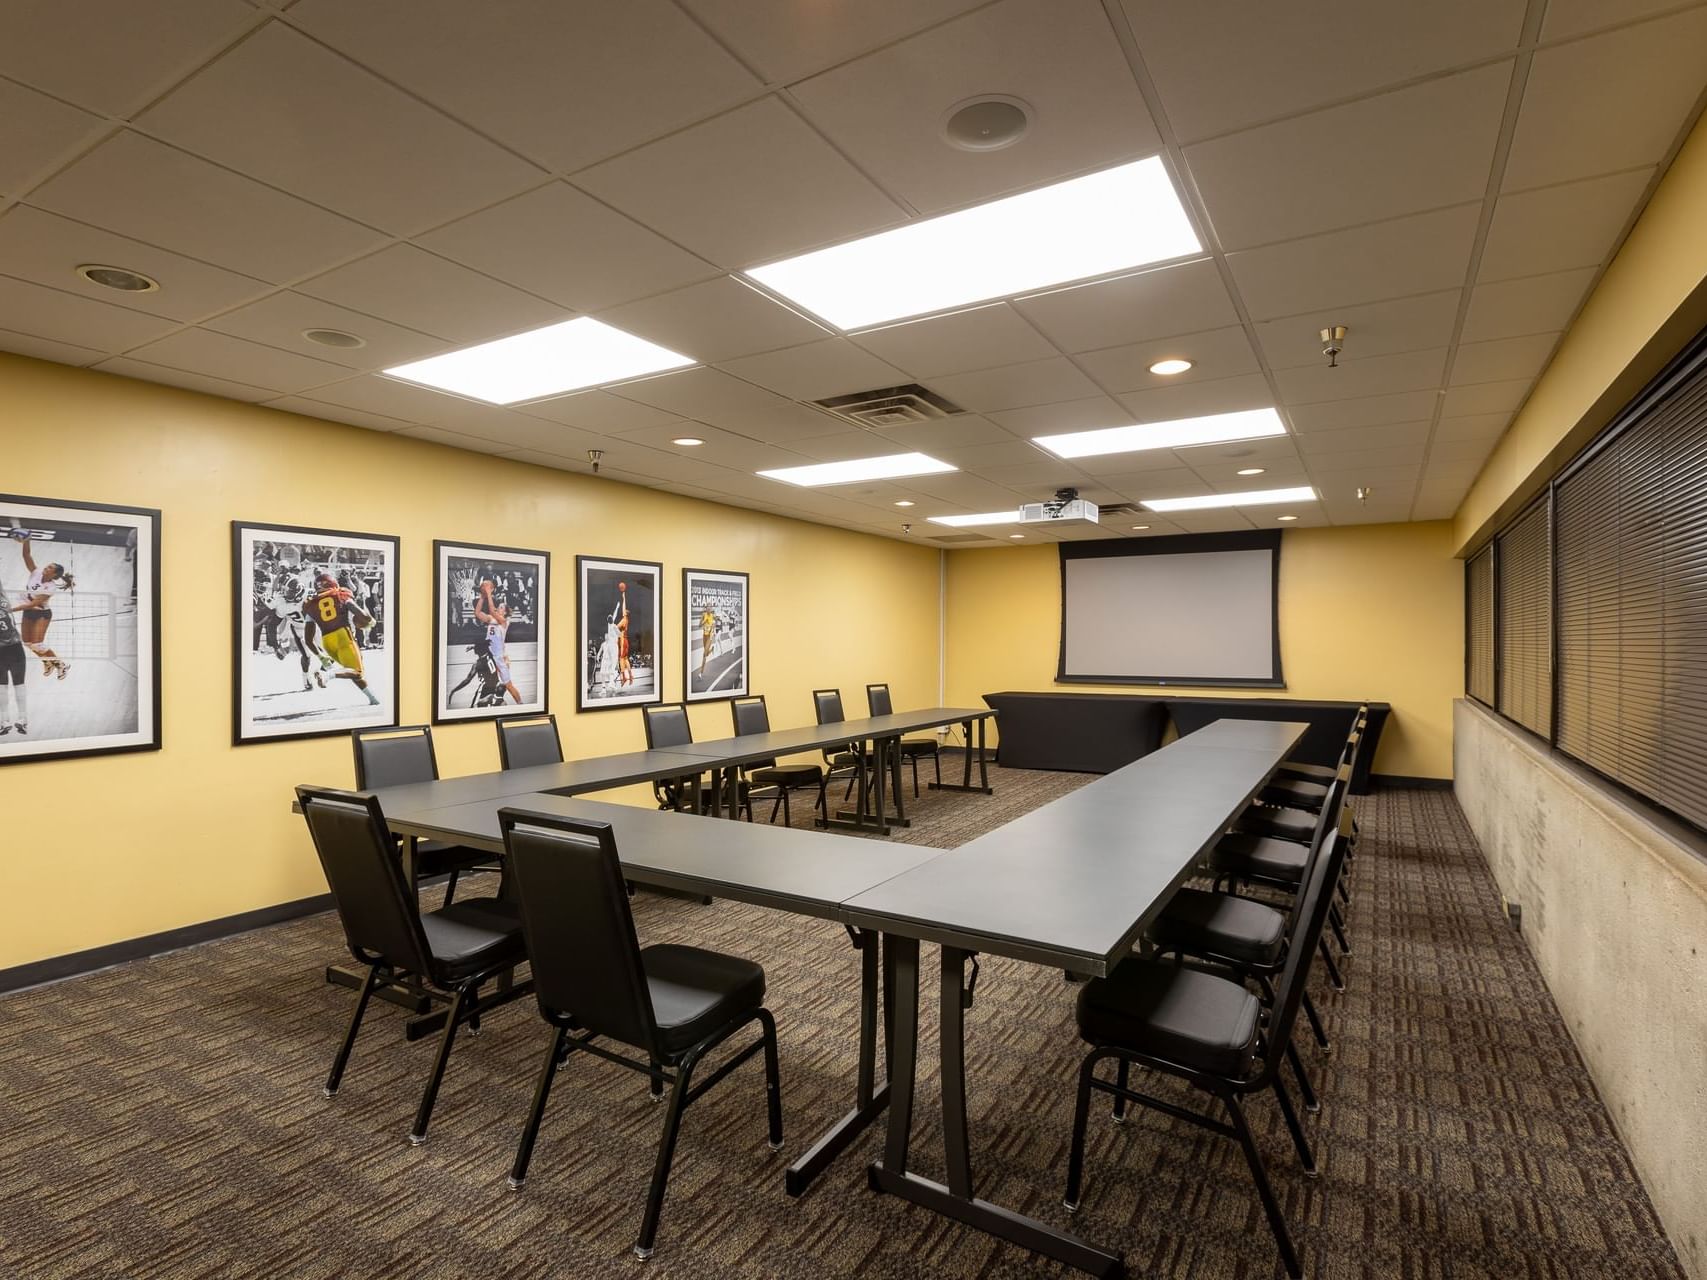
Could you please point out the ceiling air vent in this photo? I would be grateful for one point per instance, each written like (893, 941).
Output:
(961, 537)
(906, 406)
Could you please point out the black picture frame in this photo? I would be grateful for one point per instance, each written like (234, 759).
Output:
(245, 623)
(741, 637)
(539, 608)
(597, 679)
(16, 749)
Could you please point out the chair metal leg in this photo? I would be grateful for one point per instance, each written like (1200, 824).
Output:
(1337, 923)
(666, 1153)
(530, 1131)
(936, 759)
(1306, 1091)
(1306, 1157)
(1081, 1116)
(430, 1095)
(1120, 1099)
(773, 1080)
(1316, 1024)
(343, 1058)
(915, 761)
(450, 886)
(1265, 1192)
(655, 1084)
(781, 802)
(1334, 979)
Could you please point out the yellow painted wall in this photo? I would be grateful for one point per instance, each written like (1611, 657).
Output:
(130, 845)
(1399, 582)
(1651, 300)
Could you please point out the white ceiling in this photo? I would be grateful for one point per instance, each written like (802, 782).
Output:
(1447, 179)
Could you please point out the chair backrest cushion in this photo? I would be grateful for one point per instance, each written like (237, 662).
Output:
(877, 698)
(377, 907)
(525, 743)
(667, 726)
(580, 935)
(391, 757)
(827, 706)
(1317, 897)
(750, 715)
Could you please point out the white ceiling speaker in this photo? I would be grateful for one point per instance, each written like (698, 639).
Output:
(986, 123)
(121, 278)
(333, 338)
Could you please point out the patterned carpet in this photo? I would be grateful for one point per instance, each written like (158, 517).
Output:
(164, 1119)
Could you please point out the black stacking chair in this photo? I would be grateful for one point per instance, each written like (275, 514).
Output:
(674, 1004)
(667, 726)
(392, 757)
(525, 741)
(1321, 774)
(444, 955)
(845, 757)
(1210, 1032)
(750, 716)
(912, 749)
(1307, 792)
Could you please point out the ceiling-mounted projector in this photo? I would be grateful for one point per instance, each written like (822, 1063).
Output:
(1065, 508)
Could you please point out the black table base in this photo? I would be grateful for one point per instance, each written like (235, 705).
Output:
(965, 783)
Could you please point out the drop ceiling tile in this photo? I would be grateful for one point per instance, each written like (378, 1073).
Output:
(337, 413)
(715, 398)
(189, 381)
(1421, 147)
(1389, 435)
(37, 133)
(1471, 451)
(1485, 397)
(134, 186)
(418, 406)
(1480, 426)
(981, 338)
(721, 448)
(1367, 460)
(846, 445)
(980, 493)
(964, 433)
(1219, 69)
(1225, 521)
(564, 245)
(1070, 415)
(455, 440)
(1362, 376)
(112, 55)
(602, 412)
(1503, 358)
(290, 112)
(25, 344)
(280, 319)
(1574, 17)
(1225, 478)
(1390, 483)
(1377, 329)
(1016, 386)
(43, 247)
(1575, 225)
(817, 370)
(1534, 304)
(65, 317)
(979, 458)
(745, 188)
(1342, 415)
(565, 84)
(1162, 303)
(1060, 57)
(420, 291)
(1195, 399)
(1216, 353)
(219, 355)
(714, 321)
(1241, 453)
(785, 42)
(1416, 254)
(1149, 473)
(1436, 505)
(1614, 101)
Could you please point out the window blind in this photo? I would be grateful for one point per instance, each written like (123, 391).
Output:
(1523, 567)
(1479, 619)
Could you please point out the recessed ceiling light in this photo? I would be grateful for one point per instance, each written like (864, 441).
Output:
(121, 278)
(1251, 471)
(987, 123)
(544, 362)
(1251, 498)
(986, 517)
(1124, 217)
(1181, 432)
(1016, 535)
(688, 442)
(1139, 528)
(892, 467)
(1167, 368)
(904, 502)
(334, 338)
(1286, 517)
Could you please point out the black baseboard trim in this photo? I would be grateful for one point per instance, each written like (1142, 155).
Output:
(1410, 783)
(57, 968)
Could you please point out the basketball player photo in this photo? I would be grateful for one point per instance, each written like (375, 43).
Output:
(314, 614)
(489, 639)
(620, 629)
(79, 629)
(714, 605)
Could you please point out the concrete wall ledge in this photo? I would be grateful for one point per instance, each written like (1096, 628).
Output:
(1614, 899)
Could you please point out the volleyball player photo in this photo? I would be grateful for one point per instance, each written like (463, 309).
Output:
(620, 630)
(79, 629)
(314, 615)
(490, 606)
(714, 649)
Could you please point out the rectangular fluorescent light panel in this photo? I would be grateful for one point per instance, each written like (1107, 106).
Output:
(891, 467)
(1250, 498)
(987, 517)
(544, 362)
(1121, 218)
(1250, 424)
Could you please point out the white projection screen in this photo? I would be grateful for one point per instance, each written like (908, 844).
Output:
(1198, 609)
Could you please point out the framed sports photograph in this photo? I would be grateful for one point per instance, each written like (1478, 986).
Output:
(314, 623)
(490, 610)
(620, 625)
(79, 629)
(715, 662)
